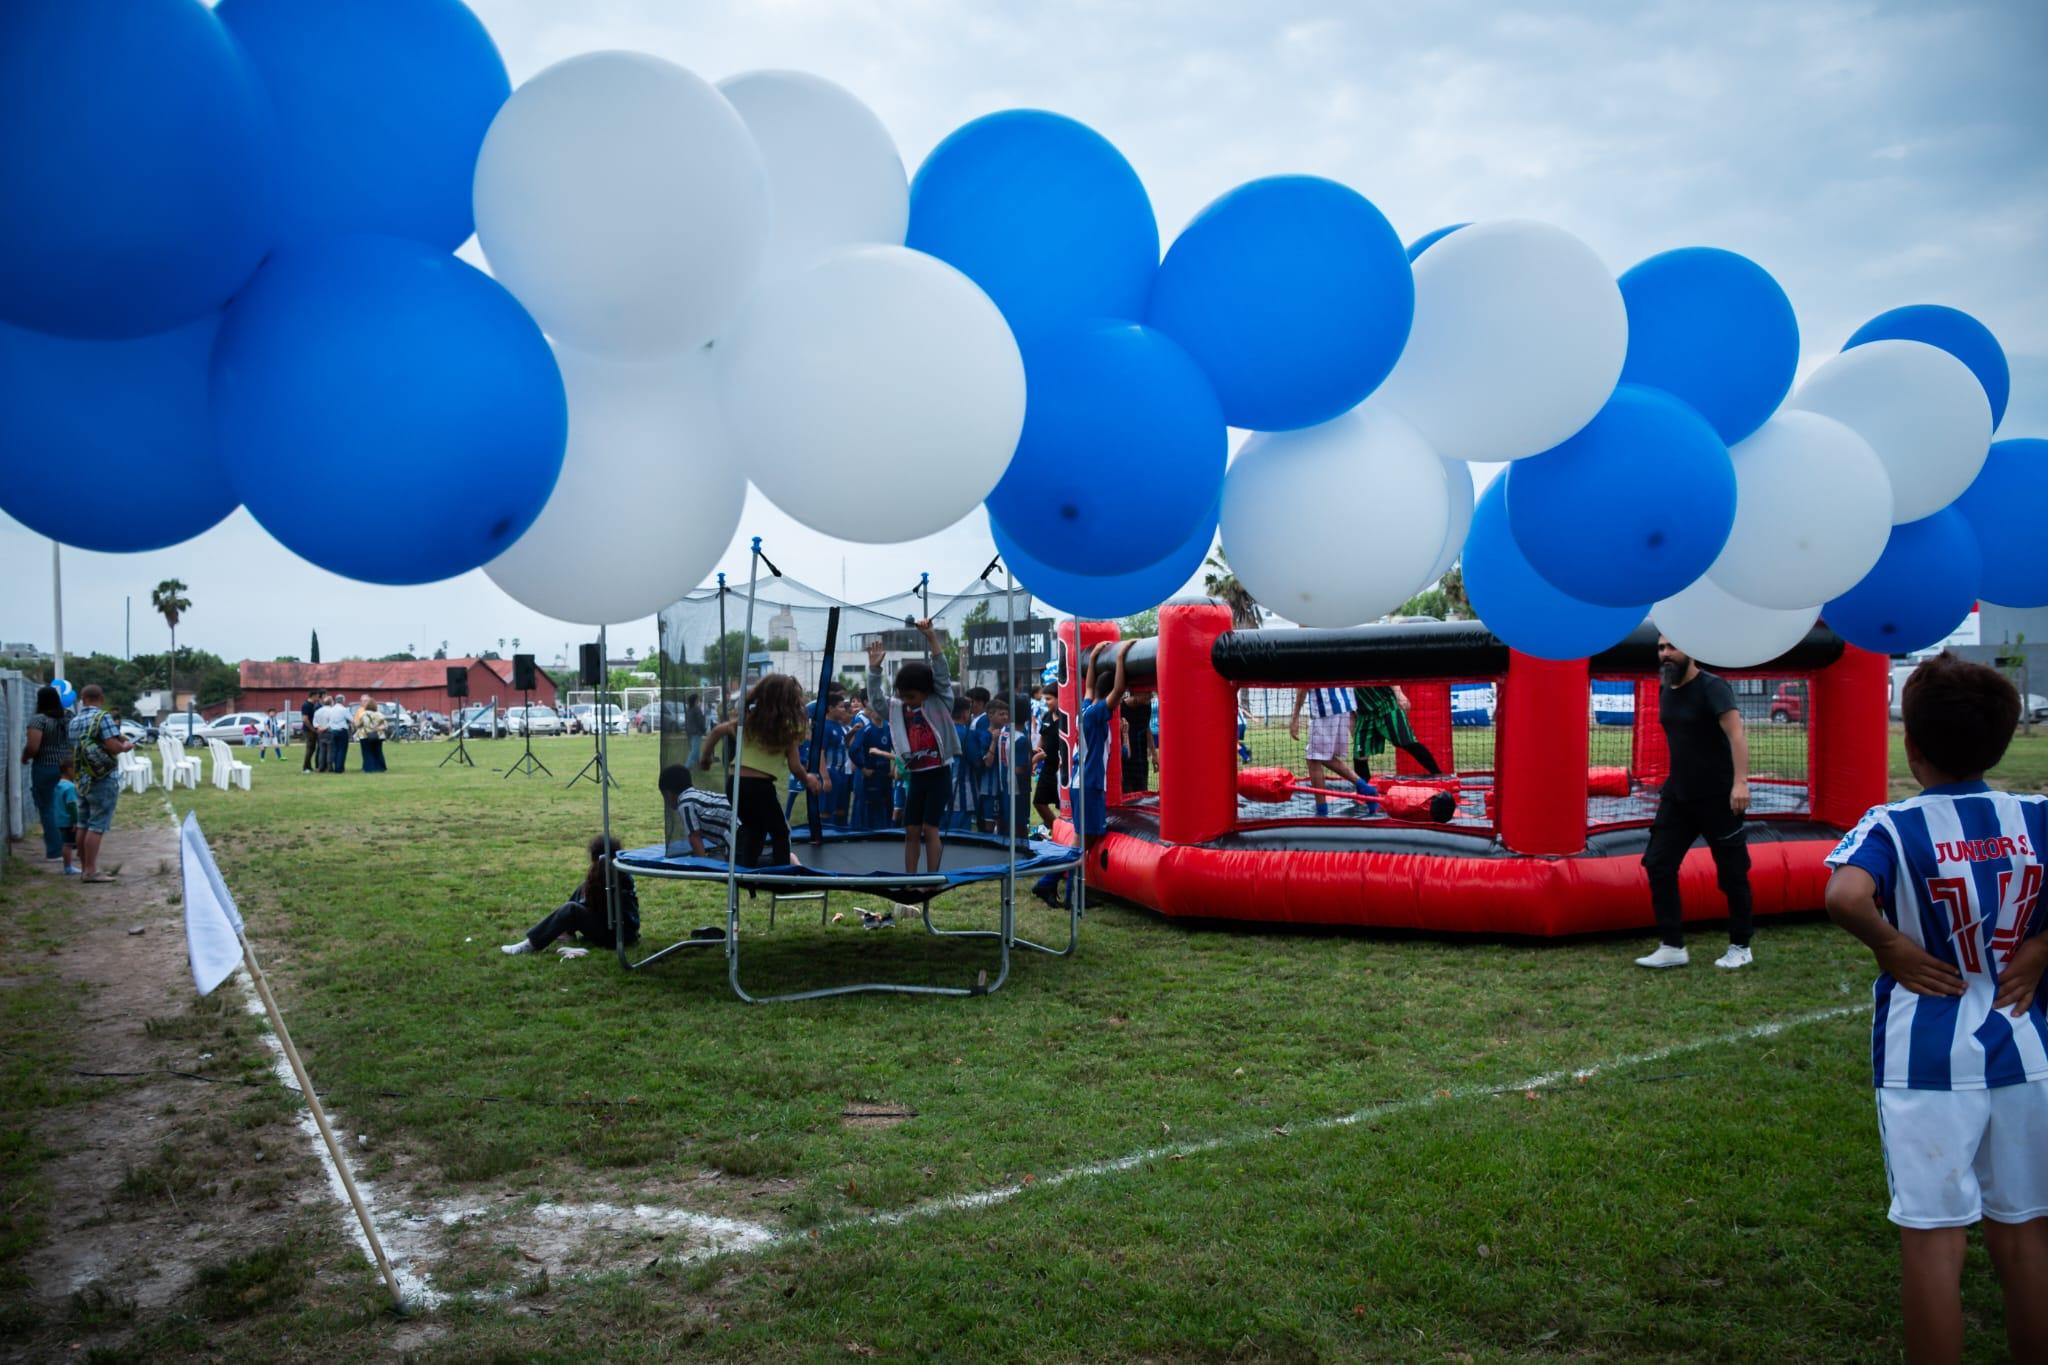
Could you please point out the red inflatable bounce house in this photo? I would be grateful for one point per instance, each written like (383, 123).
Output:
(1552, 770)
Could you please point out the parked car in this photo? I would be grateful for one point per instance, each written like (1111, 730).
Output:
(479, 722)
(181, 725)
(427, 724)
(137, 733)
(535, 719)
(1788, 704)
(582, 719)
(228, 728)
(2037, 706)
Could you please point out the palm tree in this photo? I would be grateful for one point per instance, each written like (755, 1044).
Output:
(169, 600)
(1221, 583)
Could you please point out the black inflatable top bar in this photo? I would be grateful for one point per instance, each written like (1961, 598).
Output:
(1421, 649)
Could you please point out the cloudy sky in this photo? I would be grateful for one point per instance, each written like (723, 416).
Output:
(1869, 154)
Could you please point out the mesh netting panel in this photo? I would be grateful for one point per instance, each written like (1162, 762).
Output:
(1623, 732)
(707, 656)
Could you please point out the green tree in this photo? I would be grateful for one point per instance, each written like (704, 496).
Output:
(314, 655)
(402, 657)
(1140, 625)
(1458, 605)
(1220, 582)
(168, 600)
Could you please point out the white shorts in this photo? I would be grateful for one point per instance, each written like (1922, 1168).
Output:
(1329, 737)
(1952, 1157)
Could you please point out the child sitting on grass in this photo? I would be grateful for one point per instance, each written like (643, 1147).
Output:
(1092, 820)
(1945, 890)
(65, 803)
(924, 740)
(587, 911)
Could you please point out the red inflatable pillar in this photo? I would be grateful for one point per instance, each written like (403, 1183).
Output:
(1092, 633)
(1539, 766)
(1849, 745)
(1649, 756)
(1429, 715)
(1197, 726)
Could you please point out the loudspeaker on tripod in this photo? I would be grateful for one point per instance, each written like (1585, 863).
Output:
(522, 672)
(591, 665)
(458, 682)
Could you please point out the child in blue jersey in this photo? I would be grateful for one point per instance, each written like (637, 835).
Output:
(1945, 889)
(1096, 719)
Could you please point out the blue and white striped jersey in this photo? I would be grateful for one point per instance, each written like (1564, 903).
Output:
(1330, 701)
(1958, 871)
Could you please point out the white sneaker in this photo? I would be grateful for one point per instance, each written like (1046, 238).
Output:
(1736, 956)
(525, 945)
(1665, 956)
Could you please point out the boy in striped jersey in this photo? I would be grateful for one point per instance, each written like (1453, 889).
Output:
(1332, 712)
(1945, 889)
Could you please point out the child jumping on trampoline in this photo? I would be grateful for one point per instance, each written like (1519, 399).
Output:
(921, 731)
(587, 911)
(775, 725)
(1097, 717)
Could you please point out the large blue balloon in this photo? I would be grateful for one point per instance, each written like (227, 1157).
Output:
(135, 163)
(67, 695)
(381, 107)
(1430, 239)
(1122, 451)
(1923, 586)
(1714, 329)
(126, 417)
(1516, 604)
(1294, 294)
(386, 411)
(2007, 508)
(1105, 598)
(1954, 331)
(1631, 509)
(1041, 212)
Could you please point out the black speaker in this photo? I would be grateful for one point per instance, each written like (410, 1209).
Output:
(458, 682)
(522, 672)
(591, 665)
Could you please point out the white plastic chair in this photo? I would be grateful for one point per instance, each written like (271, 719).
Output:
(228, 771)
(137, 772)
(179, 771)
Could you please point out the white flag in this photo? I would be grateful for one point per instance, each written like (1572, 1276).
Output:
(212, 924)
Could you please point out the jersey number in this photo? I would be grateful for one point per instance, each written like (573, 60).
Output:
(1954, 893)
(2007, 940)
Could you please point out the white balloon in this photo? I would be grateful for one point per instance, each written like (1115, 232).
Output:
(834, 177)
(1518, 340)
(1920, 408)
(1463, 498)
(877, 394)
(622, 200)
(1714, 628)
(1813, 511)
(649, 497)
(1337, 524)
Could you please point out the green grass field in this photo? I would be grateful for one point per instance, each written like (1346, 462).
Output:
(1709, 1195)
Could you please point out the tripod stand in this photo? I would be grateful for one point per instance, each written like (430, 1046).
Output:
(459, 756)
(527, 762)
(597, 771)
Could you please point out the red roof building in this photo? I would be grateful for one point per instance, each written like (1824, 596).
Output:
(417, 685)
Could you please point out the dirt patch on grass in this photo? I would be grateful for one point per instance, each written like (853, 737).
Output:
(868, 1114)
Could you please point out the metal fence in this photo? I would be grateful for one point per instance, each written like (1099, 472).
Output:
(17, 699)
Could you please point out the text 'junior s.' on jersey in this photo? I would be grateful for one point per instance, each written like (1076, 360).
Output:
(1958, 871)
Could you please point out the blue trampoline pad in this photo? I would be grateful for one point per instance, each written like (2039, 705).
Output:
(868, 860)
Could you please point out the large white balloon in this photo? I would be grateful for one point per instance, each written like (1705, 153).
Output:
(1813, 511)
(649, 497)
(1518, 340)
(877, 394)
(622, 200)
(1718, 629)
(834, 177)
(1337, 524)
(1458, 485)
(1920, 408)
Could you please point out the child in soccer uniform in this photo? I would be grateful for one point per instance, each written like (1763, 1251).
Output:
(703, 818)
(925, 742)
(1945, 889)
(1097, 721)
(1052, 765)
(874, 806)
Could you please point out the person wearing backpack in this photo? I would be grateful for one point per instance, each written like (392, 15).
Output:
(96, 746)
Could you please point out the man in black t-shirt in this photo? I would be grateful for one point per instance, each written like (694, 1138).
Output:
(1705, 796)
(315, 751)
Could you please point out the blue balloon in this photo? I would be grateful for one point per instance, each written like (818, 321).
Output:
(67, 695)
(381, 108)
(1430, 239)
(134, 168)
(1923, 586)
(1041, 212)
(1516, 604)
(386, 411)
(1631, 509)
(1109, 409)
(2006, 506)
(126, 416)
(1105, 598)
(1951, 330)
(1714, 329)
(1294, 294)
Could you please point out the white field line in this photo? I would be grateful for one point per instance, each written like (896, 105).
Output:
(982, 1199)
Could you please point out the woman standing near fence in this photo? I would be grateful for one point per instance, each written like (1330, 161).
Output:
(47, 746)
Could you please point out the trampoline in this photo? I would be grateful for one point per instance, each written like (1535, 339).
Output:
(833, 857)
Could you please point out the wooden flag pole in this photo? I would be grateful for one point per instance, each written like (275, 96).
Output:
(291, 1054)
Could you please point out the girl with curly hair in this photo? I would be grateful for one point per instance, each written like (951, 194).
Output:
(775, 725)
